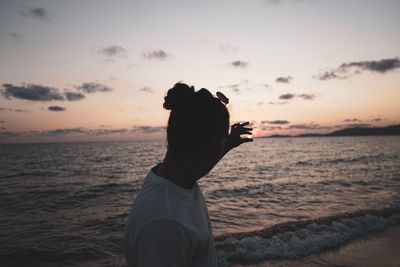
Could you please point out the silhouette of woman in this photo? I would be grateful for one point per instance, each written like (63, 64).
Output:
(168, 224)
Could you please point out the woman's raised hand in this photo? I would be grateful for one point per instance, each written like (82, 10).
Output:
(235, 139)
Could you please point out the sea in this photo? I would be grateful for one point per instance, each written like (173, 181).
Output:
(66, 204)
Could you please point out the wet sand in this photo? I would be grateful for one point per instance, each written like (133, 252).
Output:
(376, 249)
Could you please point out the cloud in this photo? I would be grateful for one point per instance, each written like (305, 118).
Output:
(20, 110)
(239, 64)
(235, 87)
(278, 2)
(113, 51)
(155, 54)
(287, 96)
(14, 110)
(278, 102)
(228, 48)
(5, 134)
(362, 125)
(291, 96)
(307, 96)
(148, 129)
(349, 69)
(236, 90)
(56, 108)
(15, 36)
(310, 126)
(32, 92)
(352, 120)
(35, 92)
(2, 121)
(377, 119)
(279, 122)
(39, 13)
(381, 66)
(274, 2)
(76, 131)
(73, 96)
(92, 87)
(109, 131)
(146, 89)
(80, 131)
(287, 79)
(328, 75)
(270, 128)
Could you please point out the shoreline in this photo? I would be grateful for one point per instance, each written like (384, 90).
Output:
(375, 249)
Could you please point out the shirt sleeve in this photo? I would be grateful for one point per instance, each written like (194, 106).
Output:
(163, 243)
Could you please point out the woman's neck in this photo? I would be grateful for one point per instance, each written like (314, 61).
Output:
(183, 174)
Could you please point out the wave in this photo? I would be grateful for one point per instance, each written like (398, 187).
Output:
(302, 238)
(362, 159)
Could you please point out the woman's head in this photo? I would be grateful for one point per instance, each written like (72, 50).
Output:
(196, 121)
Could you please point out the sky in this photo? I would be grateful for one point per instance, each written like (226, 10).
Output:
(98, 70)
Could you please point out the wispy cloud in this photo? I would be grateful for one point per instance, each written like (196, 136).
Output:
(73, 96)
(349, 69)
(287, 79)
(156, 54)
(239, 64)
(278, 102)
(287, 96)
(235, 87)
(376, 119)
(270, 128)
(228, 48)
(92, 87)
(302, 96)
(309, 126)
(15, 36)
(81, 131)
(352, 120)
(146, 89)
(148, 129)
(56, 108)
(113, 51)
(280, 122)
(14, 109)
(38, 13)
(361, 125)
(307, 96)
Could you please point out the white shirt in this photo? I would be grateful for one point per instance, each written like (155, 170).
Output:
(168, 226)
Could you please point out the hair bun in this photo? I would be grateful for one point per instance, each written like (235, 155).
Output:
(179, 96)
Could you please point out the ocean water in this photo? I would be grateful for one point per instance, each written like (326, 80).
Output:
(65, 204)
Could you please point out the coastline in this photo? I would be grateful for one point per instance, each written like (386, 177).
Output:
(376, 249)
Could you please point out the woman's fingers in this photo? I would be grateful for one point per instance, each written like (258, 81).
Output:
(245, 140)
(244, 131)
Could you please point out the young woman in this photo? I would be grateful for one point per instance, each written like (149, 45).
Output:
(168, 224)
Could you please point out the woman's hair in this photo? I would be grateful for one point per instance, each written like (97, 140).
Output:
(195, 118)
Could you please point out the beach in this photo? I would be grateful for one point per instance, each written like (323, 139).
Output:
(377, 249)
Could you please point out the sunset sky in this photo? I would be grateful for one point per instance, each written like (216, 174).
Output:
(98, 70)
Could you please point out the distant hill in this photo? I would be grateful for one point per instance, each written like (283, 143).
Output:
(354, 131)
(388, 130)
